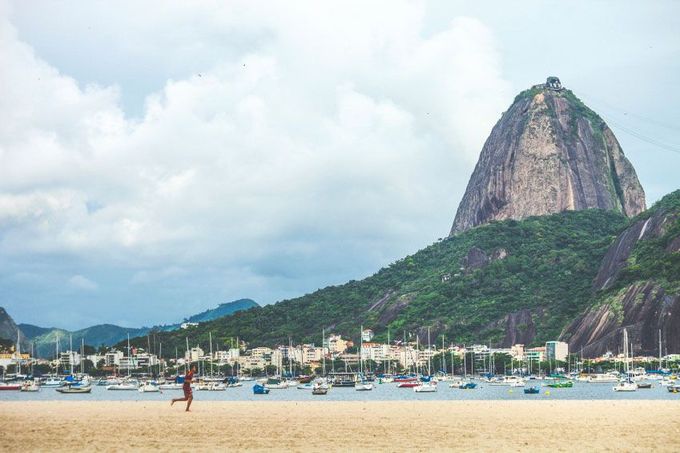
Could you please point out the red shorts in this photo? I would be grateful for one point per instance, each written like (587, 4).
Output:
(187, 390)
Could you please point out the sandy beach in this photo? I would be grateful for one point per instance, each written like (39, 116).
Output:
(342, 426)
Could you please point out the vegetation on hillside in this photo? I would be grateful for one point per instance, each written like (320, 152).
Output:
(549, 268)
(651, 259)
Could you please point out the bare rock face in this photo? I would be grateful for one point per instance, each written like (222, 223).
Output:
(548, 153)
(643, 309)
(618, 253)
(643, 304)
(9, 330)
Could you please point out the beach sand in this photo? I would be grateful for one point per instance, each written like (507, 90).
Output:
(342, 426)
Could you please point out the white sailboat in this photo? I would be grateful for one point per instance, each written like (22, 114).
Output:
(626, 385)
(429, 386)
(363, 385)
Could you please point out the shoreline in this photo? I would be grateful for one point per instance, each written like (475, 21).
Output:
(342, 426)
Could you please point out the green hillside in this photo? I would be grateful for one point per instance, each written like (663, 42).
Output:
(544, 265)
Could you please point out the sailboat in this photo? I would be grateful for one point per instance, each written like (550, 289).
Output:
(363, 385)
(428, 386)
(626, 385)
(128, 384)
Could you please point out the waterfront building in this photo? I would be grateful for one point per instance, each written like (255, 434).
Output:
(69, 360)
(336, 345)
(556, 350)
(535, 355)
(194, 354)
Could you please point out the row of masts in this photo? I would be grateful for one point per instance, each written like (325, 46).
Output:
(627, 350)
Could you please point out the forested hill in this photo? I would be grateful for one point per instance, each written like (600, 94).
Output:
(505, 282)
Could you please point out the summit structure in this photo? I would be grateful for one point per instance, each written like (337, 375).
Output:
(548, 153)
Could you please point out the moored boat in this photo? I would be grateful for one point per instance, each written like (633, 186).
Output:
(74, 389)
(149, 387)
(123, 386)
(30, 386)
(426, 387)
(532, 390)
(259, 389)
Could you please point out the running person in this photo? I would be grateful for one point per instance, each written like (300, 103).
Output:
(188, 394)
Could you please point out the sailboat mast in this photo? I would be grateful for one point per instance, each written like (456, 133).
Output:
(429, 354)
(361, 350)
(388, 350)
(82, 355)
(128, 357)
(186, 364)
(290, 357)
(70, 350)
(323, 351)
(443, 355)
(659, 367)
(211, 354)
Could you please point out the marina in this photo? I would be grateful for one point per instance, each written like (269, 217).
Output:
(444, 389)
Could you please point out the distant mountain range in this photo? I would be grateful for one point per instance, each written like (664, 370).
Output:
(45, 338)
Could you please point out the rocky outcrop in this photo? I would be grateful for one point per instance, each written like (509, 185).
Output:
(618, 253)
(476, 258)
(519, 328)
(637, 299)
(643, 309)
(548, 153)
(8, 330)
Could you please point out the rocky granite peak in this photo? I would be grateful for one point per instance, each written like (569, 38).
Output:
(548, 153)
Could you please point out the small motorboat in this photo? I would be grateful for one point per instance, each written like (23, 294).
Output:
(52, 382)
(644, 385)
(307, 386)
(123, 386)
(426, 387)
(561, 385)
(74, 389)
(30, 386)
(467, 386)
(275, 384)
(259, 389)
(532, 390)
(10, 386)
(675, 388)
(625, 386)
(320, 389)
(149, 387)
(363, 386)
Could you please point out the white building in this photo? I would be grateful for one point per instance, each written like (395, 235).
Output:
(312, 354)
(69, 360)
(112, 358)
(231, 356)
(556, 350)
(367, 335)
(336, 345)
(194, 354)
(375, 351)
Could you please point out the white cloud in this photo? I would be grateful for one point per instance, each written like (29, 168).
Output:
(82, 283)
(333, 144)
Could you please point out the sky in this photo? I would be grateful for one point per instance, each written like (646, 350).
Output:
(160, 158)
